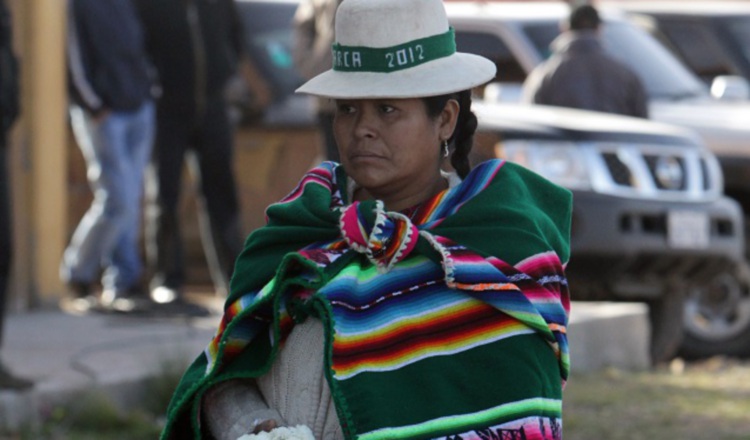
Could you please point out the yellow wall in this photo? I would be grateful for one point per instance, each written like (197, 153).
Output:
(38, 154)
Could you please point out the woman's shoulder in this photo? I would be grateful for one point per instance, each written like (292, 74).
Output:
(505, 172)
(512, 177)
(518, 199)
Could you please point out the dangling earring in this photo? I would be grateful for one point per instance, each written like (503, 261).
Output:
(446, 152)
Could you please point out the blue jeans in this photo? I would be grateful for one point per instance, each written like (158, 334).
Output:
(117, 150)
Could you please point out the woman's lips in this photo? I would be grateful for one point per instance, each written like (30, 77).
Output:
(365, 156)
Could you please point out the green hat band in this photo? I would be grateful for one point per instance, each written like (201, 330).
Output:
(391, 59)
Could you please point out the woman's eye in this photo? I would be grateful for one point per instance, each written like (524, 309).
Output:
(387, 108)
(345, 109)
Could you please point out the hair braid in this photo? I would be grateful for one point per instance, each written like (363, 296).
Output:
(462, 138)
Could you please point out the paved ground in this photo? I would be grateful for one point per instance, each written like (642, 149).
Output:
(65, 354)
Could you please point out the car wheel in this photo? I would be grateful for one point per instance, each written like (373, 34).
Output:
(665, 317)
(717, 319)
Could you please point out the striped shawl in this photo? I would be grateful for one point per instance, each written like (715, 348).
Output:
(444, 322)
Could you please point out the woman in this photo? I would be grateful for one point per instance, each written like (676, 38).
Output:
(386, 299)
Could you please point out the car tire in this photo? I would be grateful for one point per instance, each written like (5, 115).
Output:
(666, 319)
(717, 319)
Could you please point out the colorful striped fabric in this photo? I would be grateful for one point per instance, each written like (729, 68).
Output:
(448, 323)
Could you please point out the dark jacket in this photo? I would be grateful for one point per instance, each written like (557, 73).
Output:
(106, 57)
(581, 75)
(9, 88)
(195, 46)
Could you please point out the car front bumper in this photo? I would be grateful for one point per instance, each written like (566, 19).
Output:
(624, 249)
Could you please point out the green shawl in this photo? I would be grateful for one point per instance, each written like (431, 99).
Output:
(299, 264)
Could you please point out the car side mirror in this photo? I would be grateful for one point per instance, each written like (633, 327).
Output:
(502, 92)
(730, 88)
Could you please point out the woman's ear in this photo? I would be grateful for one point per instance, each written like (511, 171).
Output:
(449, 118)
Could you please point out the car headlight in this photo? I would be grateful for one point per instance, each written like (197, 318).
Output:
(560, 162)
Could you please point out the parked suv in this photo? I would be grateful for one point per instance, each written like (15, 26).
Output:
(650, 221)
(517, 37)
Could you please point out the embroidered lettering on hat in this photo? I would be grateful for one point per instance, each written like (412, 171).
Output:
(391, 59)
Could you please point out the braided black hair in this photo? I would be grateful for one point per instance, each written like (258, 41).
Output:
(462, 138)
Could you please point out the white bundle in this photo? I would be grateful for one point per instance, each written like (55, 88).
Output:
(299, 432)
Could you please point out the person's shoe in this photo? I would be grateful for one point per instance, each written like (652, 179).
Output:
(170, 301)
(181, 307)
(80, 298)
(10, 382)
(165, 294)
(130, 300)
(79, 289)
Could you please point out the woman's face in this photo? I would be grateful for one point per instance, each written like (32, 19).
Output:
(392, 147)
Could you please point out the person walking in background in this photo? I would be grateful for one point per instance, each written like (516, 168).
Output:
(196, 46)
(580, 74)
(9, 110)
(311, 51)
(113, 122)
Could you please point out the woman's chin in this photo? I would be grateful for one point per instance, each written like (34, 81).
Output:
(368, 171)
(368, 183)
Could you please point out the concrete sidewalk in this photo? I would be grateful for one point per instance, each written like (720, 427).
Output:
(65, 354)
(115, 354)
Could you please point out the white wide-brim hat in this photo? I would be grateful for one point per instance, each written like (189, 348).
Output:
(396, 49)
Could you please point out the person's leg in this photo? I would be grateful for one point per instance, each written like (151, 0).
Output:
(127, 267)
(164, 179)
(6, 238)
(7, 379)
(220, 228)
(94, 239)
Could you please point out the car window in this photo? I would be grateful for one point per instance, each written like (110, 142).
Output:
(268, 41)
(739, 30)
(662, 74)
(699, 47)
(493, 48)
(541, 36)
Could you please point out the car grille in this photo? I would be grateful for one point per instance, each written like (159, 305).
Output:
(674, 173)
(620, 172)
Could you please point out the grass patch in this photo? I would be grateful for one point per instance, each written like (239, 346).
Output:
(94, 416)
(161, 386)
(706, 400)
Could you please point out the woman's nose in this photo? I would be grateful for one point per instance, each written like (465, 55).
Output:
(365, 124)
